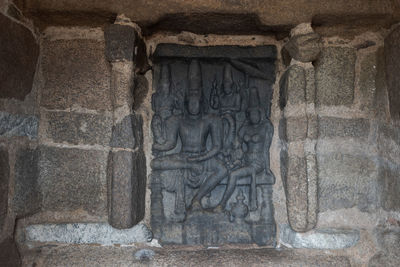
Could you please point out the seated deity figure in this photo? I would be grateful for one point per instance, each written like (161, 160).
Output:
(255, 136)
(228, 102)
(193, 128)
(163, 103)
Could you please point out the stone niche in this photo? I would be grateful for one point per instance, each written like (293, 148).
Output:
(211, 182)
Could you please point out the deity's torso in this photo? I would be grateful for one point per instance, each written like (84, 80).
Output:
(194, 133)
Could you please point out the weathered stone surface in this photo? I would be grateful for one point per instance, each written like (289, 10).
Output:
(27, 197)
(292, 86)
(18, 125)
(87, 233)
(72, 179)
(388, 241)
(293, 128)
(339, 127)
(294, 175)
(86, 255)
(4, 181)
(122, 84)
(203, 16)
(304, 47)
(390, 186)
(392, 57)
(320, 238)
(128, 133)
(120, 42)
(310, 85)
(367, 81)
(9, 255)
(75, 73)
(18, 56)
(334, 76)
(77, 128)
(346, 181)
(388, 141)
(127, 171)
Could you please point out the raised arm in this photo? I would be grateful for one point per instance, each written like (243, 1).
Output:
(172, 135)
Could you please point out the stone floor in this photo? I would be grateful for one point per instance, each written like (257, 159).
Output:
(92, 255)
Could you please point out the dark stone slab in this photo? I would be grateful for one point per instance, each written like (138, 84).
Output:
(4, 181)
(127, 175)
(210, 104)
(18, 57)
(27, 196)
(236, 52)
(77, 128)
(18, 125)
(9, 254)
(72, 179)
(392, 56)
(75, 73)
(346, 181)
(120, 42)
(339, 127)
(128, 133)
(334, 76)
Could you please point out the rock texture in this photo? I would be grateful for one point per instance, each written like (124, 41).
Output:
(27, 195)
(77, 128)
(334, 76)
(128, 133)
(120, 42)
(75, 74)
(19, 52)
(304, 47)
(18, 125)
(392, 55)
(87, 233)
(298, 129)
(128, 256)
(319, 239)
(215, 17)
(9, 254)
(72, 179)
(4, 181)
(127, 171)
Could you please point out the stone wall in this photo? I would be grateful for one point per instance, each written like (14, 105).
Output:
(75, 140)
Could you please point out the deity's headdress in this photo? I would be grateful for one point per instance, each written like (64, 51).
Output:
(165, 76)
(254, 99)
(228, 74)
(195, 81)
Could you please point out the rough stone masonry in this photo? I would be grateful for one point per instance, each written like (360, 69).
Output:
(76, 133)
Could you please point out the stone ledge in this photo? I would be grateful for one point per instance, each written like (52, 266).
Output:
(319, 239)
(84, 255)
(86, 233)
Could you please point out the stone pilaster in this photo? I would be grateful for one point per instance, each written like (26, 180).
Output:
(126, 161)
(299, 130)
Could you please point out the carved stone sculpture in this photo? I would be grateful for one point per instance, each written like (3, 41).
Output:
(211, 181)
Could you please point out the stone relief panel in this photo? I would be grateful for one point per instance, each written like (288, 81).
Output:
(211, 179)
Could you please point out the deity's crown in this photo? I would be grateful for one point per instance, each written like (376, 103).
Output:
(254, 98)
(165, 75)
(228, 74)
(195, 81)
